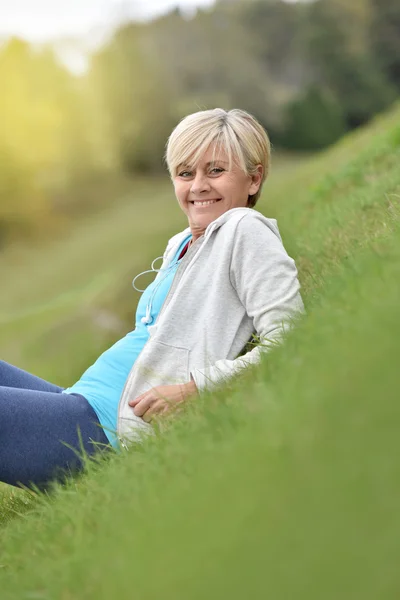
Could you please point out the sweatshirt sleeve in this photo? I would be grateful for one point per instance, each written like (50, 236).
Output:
(265, 279)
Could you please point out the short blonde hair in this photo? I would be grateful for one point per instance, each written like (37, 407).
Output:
(237, 132)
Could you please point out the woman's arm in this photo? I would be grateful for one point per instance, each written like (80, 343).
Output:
(265, 279)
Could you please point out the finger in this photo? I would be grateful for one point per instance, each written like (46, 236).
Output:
(167, 411)
(140, 398)
(155, 410)
(144, 404)
(136, 400)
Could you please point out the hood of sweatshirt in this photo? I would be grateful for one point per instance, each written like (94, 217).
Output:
(233, 213)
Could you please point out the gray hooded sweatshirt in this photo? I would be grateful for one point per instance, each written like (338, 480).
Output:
(234, 281)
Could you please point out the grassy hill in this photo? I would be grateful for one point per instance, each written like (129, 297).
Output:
(283, 485)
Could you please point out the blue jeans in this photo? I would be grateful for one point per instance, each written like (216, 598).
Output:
(42, 431)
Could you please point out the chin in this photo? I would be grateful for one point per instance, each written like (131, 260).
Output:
(209, 217)
(204, 222)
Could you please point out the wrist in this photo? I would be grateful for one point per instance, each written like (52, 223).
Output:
(191, 388)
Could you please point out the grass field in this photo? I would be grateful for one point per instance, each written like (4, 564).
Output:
(283, 485)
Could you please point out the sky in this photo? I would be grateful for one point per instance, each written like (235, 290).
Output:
(40, 20)
(91, 21)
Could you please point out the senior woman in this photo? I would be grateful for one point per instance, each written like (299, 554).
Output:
(226, 277)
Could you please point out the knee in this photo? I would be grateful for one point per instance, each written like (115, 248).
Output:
(3, 366)
(6, 371)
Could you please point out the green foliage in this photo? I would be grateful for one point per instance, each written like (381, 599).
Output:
(17, 185)
(385, 38)
(46, 145)
(313, 121)
(137, 104)
(309, 71)
(340, 52)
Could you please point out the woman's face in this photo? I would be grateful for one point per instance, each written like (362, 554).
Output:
(209, 190)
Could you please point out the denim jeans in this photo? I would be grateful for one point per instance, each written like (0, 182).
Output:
(43, 433)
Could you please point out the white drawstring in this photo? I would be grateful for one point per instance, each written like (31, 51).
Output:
(152, 270)
(148, 318)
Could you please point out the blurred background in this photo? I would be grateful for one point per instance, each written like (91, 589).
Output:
(90, 89)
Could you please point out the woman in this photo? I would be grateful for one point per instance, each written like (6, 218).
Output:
(223, 279)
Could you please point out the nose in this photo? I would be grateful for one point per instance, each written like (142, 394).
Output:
(200, 184)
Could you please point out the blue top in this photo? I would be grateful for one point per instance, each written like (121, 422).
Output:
(103, 382)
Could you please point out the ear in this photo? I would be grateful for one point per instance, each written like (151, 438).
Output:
(256, 180)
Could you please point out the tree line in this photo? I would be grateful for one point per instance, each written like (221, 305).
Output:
(309, 71)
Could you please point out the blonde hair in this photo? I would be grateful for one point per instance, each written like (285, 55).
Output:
(237, 132)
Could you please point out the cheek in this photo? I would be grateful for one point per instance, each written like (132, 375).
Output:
(240, 191)
(231, 187)
(180, 193)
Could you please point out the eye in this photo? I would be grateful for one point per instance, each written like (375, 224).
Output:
(184, 174)
(217, 169)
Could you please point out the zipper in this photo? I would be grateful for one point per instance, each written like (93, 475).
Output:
(180, 270)
(178, 275)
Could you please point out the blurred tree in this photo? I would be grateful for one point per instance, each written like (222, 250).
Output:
(135, 98)
(385, 37)
(337, 40)
(46, 143)
(211, 62)
(313, 121)
(275, 28)
(27, 141)
(308, 71)
(30, 114)
(22, 203)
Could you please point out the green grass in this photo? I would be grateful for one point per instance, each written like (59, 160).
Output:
(283, 485)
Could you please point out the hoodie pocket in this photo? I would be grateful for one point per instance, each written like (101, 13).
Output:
(165, 365)
(160, 364)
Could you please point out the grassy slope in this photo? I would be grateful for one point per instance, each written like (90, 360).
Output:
(286, 484)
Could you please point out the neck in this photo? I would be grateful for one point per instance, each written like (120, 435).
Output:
(196, 232)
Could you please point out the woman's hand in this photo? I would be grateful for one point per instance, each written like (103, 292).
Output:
(161, 399)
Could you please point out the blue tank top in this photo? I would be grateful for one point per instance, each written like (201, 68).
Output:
(102, 383)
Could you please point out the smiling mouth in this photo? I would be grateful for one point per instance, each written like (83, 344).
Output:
(204, 202)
